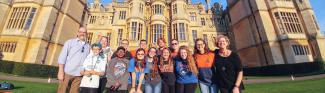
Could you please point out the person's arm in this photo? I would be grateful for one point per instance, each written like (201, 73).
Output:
(239, 70)
(93, 72)
(140, 83)
(61, 72)
(110, 69)
(131, 69)
(239, 79)
(101, 68)
(133, 79)
(85, 72)
(62, 60)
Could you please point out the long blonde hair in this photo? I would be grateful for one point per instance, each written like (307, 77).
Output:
(189, 58)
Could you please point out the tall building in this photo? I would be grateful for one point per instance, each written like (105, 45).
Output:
(268, 32)
(34, 31)
(150, 19)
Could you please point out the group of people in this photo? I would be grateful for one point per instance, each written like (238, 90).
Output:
(85, 68)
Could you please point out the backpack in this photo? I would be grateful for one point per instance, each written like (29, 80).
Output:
(7, 86)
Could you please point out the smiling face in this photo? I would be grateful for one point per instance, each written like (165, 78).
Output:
(120, 53)
(183, 53)
(140, 55)
(104, 42)
(223, 43)
(96, 50)
(174, 44)
(125, 44)
(166, 54)
(161, 43)
(200, 45)
(152, 52)
(82, 32)
(143, 44)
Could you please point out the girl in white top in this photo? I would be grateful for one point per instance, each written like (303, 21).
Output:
(94, 67)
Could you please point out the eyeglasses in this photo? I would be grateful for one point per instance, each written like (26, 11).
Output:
(174, 43)
(199, 44)
(81, 32)
(140, 54)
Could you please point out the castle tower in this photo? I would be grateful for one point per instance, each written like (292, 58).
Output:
(34, 31)
(136, 22)
(269, 32)
(159, 21)
(315, 38)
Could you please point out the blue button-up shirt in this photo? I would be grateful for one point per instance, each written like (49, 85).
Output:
(73, 55)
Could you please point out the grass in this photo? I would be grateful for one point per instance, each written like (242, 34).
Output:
(31, 87)
(307, 86)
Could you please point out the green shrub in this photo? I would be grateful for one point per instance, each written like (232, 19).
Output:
(285, 69)
(6, 67)
(321, 63)
(27, 69)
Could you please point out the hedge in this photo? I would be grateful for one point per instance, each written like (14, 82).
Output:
(28, 69)
(285, 69)
(38, 70)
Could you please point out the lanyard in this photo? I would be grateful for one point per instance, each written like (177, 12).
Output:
(94, 64)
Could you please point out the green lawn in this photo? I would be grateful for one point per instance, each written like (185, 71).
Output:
(308, 86)
(31, 87)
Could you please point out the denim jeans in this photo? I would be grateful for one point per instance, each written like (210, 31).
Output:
(150, 88)
(208, 88)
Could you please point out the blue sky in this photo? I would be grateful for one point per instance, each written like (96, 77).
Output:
(316, 4)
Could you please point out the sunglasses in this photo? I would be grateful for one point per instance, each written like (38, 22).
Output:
(83, 49)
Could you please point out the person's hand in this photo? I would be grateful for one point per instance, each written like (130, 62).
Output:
(60, 75)
(165, 68)
(109, 56)
(132, 90)
(87, 73)
(116, 85)
(235, 90)
(112, 88)
(139, 91)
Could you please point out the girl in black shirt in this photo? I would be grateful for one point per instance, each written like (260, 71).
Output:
(227, 68)
(166, 67)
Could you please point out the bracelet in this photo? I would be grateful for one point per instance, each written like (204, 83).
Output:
(236, 86)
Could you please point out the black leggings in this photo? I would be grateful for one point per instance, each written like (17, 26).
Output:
(225, 90)
(88, 90)
(167, 88)
(102, 84)
(186, 88)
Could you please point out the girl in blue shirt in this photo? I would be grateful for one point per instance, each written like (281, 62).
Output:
(185, 71)
(153, 79)
(138, 68)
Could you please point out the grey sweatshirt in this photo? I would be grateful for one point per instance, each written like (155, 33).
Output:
(116, 71)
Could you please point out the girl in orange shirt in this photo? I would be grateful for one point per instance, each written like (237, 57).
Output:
(204, 59)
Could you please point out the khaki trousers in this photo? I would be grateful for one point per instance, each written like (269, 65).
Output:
(70, 82)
